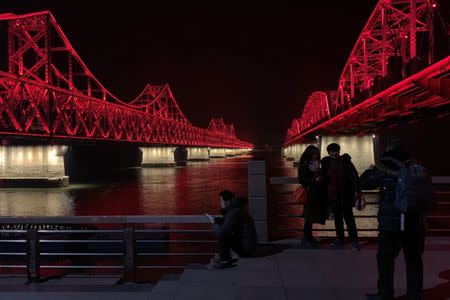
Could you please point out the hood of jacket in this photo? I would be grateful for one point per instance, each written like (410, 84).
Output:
(234, 203)
(391, 162)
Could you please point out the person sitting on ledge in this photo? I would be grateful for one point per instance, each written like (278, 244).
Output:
(235, 231)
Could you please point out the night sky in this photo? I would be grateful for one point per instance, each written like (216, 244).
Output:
(254, 65)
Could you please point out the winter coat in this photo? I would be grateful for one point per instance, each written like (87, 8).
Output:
(316, 208)
(341, 185)
(237, 224)
(384, 176)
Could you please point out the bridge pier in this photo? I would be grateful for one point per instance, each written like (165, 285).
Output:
(230, 152)
(32, 166)
(198, 153)
(158, 156)
(217, 152)
(293, 152)
(84, 162)
(239, 152)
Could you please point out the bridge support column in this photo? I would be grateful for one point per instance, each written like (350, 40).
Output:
(158, 156)
(217, 152)
(360, 148)
(257, 197)
(239, 152)
(32, 166)
(293, 152)
(230, 152)
(288, 153)
(198, 153)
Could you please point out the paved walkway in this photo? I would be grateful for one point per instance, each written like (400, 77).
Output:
(308, 274)
(290, 274)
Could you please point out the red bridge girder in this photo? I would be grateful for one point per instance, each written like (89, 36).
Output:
(48, 91)
(390, 33)
(31, 108)
(158, 101)
(217, 125)
(427, 92)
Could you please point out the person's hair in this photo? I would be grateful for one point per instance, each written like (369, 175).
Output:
(395, 149)
(226, 195)
(333, 147)
(307, 155)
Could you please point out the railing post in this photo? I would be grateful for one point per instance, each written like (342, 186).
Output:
(129, 254)
(257, 197)
(33, 265)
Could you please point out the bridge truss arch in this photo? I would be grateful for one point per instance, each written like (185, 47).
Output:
(49, 92)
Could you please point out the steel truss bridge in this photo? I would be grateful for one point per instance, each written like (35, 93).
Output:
(395, 72)
(49, 92)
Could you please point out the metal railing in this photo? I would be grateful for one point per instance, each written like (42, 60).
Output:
(281, 189)
(276, 192)
(125, 238)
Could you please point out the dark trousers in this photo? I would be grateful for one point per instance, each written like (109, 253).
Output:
(341, 214)
(389, 246)
(226, 243)
(307, 231)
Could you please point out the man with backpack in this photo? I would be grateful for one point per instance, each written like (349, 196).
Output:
(235, 231)
(405, 189)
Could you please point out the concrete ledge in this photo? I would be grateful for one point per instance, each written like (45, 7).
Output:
(158, 165)
(35, 182)
(292, 180)
(440, 179)
(198, 159)
(283, 180)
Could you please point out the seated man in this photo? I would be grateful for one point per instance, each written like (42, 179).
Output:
(235, 230)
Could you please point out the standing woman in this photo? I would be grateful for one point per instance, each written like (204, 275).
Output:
(315, 209)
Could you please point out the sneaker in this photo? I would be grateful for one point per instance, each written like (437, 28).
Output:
(374, 296)
(315, 241)
(305, 244)
(355, 246)
(216, 259)
(309, 243)
(337, 244)
(223, 264)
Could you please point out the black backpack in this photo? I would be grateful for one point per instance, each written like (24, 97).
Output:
(413, 190)
(249, 238)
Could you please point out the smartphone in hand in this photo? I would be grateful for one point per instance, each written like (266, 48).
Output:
(210, 218)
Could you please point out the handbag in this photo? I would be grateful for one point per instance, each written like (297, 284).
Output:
(300, 195)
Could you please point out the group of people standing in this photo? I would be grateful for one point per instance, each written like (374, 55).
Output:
(331, 184)
(333, 187)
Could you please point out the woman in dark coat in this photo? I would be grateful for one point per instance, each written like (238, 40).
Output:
(315, 209)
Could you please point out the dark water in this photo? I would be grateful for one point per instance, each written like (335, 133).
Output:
(192, 189)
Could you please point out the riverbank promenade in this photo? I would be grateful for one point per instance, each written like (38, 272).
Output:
(281, 271)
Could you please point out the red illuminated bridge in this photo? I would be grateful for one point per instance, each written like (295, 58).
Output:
(48, 92)
(397, 71)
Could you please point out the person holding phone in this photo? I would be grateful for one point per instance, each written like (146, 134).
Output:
(235, 231)
(316, 208)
